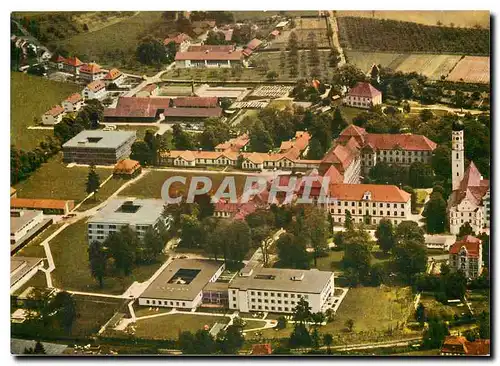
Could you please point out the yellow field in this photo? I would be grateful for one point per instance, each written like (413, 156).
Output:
(365, 60)
(471, 69)
(310, 23)
(466, 19)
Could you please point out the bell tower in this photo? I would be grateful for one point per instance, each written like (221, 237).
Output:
(457, 154)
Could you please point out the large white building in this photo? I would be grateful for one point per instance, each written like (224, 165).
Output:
(279, 290)
(470, 200)
(22, 221)
(363, 95)
(139, 214)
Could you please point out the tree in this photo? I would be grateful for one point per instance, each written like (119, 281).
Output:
(281, 323)
(181, 139)
(349, 323)
(348, 223)
(484, 326)
(435, 214)
(421, 175)
(420, 313)
(328, 341)
(300, 336)
(230, 340)
(455, 285)
(465, 229)
(215, 132)
(152, 245)
(98, 261)
(409, 231)
(434, 335)
(315, 338)
(190, 231)
(317, 231)
(426, 115)
(152, 52)
(186, 343)
(385, 235)
(338, 123)
(141, 152)
(64, 306)
(93, 181)
(302, 311)
(292, 252)
(39, 349)
(334, 57)
(272, 75)
(357, 258)
(348, 76)
(282, 60)
(410, 257)
(122, 247)
(260, 138)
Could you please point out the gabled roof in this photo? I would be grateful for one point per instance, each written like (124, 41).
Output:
(40, 203)
(202, 102)
(178, 39)
(254, 43)
(275, 32)
(72, 61)
(55, 111)
(211, 48)
(460, 345)
(96, 85)
(126, 165)
(137, 107)
(261, 349)
(113, 74)
(234, 144)
(387, 141)
(472, 177)
(74, 98)
(193, 112)
(300, 141)
(379, 192)
(209, 56)
(91, 68)
(353, 130)
(364, 90)
(471, 244)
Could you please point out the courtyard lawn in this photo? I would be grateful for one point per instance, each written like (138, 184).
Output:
(170, 326)
(104, 192)
(54, 180)
(69, 250)
(252, 324)
(150, 185)
(332, 262)
(32, 96)
(350, 113)
(33, 248)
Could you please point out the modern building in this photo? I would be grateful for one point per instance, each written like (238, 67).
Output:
(279, 290)
(47, 206)
(470, 200)
(209, 56)
(363, 95)
(22, 222)
(127, 168)
(73, 103)
(91, 72)
(139, 214)
(22, 269)
(460, 346)
(95, 90)
(181, 284)
(369, 203)
(466, 256)
(114, 76)
(53, 116)
(98, 147)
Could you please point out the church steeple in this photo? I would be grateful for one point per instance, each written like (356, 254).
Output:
(457, 154)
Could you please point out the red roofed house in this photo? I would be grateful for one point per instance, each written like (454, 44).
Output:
(91, 72)
(135, 109)
(252, 46)
(470, 199)
(182, 41)
(94, 90)
(195, 102)
(53, 116)
(70, 64)
(466, 256)
(73, 103)
(48, 206)
(460, 346)
(127, 168)
(363, 95)
(261, 349)
(208, 56)
(114, 76)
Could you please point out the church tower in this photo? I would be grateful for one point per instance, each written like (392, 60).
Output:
(457, 154)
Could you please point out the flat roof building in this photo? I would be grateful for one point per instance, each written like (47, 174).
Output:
(22, 222)
(181, 283)
(22, 269)
(99, 147)
(139, 214)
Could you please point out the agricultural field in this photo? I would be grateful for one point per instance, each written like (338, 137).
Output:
(31, 97)
(170, 326)
(433, 66)
(471, 70)
(310, 23)
(465, 19)
(364, 34)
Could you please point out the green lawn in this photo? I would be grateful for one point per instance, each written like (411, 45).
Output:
(332, 262)
(251, 324)
(54, 180)
(140, 130)
(33, 248)
(32, 96)
(150, 185)
(436, 308)
(104, 192)
(69, 250)
(116, 44)
(170, 326)
(350, 113)
(480, 301)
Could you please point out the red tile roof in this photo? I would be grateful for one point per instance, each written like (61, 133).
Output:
(72, 61)
(55, 110)
(472, 187)
(178, 39)
(211, 48)
(149, 88)
(379, 192)
(96, 85)
(261, 349)
(202, 102)
(113, 74)
(209, 56)
(247, 52)
(127, 166)
(40, 203)
(300, 141)
(234, 144)
(254, 43)
(193, 112)
(386, 141)
(460, 345)
(91, 68)
(471, 244)
(137, 107)
(74, 98)
(364, 90)
(275, 33)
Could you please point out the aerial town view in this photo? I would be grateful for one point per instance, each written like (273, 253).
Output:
(250, 183)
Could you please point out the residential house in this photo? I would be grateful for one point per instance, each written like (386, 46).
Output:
(127, 168)
(209, 56)
(94, 90)
(53, 116)
(466, 256)
(237, 144)
(261, 349)
(252, 46)
(73, 103)
(460, 346)
(71, 64)
(363, 95)
(114, 76)
(182, 41)
(91, 72)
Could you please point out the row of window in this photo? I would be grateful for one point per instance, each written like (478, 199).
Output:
(360, 212)
(367, 204)
(362, 219)
(272, 301)
(166, 303)
(271, 308)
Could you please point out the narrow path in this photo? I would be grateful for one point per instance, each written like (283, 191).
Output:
(92, 194)
(335, 38)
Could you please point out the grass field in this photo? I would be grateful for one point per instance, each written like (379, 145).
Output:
(150, 185)
(55, 181)
(252, 324)
(140, 130)
(458, 18)
(170, 326)
(332, 262)
(480, 301)
(471, 69)
(434, 307)
(69, 250)
(32, 96)
(33, 248)
(104, 192)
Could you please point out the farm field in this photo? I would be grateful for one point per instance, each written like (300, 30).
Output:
(150, 185)
(54, 180)
(471, 70)
(433, 66)
(170, 326)
(469, 18)
(70, 252)
(32, 96)
(265, 15)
